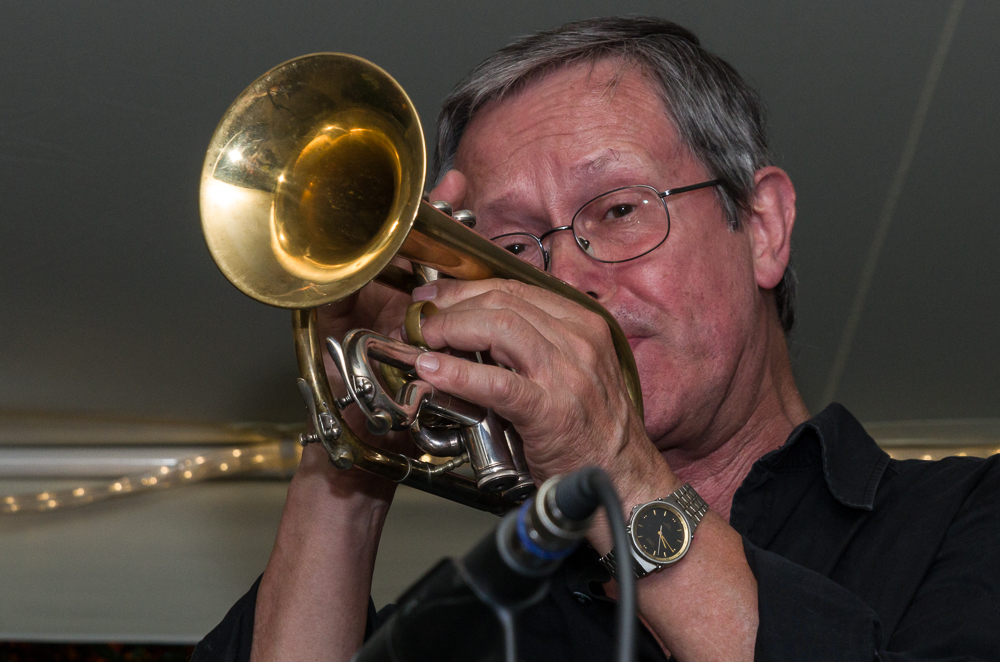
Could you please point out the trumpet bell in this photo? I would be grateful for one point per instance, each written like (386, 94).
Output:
(312, 180)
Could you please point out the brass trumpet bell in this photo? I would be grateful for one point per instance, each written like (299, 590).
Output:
(312, 180)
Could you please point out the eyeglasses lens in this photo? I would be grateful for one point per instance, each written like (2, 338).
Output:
(622, 224)
(525, 247)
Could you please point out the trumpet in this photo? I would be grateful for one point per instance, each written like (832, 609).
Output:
(312, 184)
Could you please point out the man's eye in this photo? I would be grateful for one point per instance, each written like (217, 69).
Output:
(517, 249)
(619, 211)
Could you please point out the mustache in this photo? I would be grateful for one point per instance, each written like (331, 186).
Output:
(633, 322)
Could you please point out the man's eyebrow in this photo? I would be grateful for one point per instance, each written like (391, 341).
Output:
(596, 164)
(600, 163)
(510, 212)
(497, 206)
(504, 204)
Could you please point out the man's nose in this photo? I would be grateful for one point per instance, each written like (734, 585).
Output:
(569, 263)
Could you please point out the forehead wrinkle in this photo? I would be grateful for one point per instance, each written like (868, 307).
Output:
(607, 159)
(508, 159)
(594, 119)
(604, 97)
(506, 170)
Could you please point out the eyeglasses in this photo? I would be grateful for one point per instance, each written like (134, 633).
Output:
(620, 225)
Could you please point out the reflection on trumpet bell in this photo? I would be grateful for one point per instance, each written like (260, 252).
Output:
(332, 201)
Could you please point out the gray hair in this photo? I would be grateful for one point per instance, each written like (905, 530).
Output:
(718, 116)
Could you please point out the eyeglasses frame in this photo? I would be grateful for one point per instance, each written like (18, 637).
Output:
(579, 242)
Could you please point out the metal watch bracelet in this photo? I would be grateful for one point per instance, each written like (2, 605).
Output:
(692, 504)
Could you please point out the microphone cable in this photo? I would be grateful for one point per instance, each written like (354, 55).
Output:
(576, 497)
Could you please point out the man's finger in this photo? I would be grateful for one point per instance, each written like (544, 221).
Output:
(510, 338)
(446, 293)
(507, 393)
(451, 189)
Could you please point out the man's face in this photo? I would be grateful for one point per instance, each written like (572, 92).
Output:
(689, 308)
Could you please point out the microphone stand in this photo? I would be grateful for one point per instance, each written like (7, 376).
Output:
(464, 610)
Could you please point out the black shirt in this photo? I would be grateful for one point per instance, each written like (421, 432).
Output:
(857, 557)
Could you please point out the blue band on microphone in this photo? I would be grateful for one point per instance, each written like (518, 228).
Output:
(530, 545)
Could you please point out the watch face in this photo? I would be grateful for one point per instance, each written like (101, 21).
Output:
(660, 532)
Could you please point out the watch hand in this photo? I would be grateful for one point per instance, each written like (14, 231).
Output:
(664, 541)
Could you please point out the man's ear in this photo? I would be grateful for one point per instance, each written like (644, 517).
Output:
(770, 225)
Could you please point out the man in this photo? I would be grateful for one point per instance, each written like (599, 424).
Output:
(815, 546)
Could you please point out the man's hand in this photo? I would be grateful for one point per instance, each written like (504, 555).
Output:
(564, 393)
(374, 307)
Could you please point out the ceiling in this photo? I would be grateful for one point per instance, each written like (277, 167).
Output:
(886, 114)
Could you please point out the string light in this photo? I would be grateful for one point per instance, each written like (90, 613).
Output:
(227, 461)
(938, 452)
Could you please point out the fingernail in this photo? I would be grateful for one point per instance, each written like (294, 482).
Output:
(425, 293)
(428, 362)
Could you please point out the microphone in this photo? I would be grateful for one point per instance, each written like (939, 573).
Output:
(464, 609)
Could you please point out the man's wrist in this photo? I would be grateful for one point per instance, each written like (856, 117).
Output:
(650, 479)
(645, 479)
(321, 484)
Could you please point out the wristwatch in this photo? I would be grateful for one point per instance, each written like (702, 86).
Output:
(660, 532)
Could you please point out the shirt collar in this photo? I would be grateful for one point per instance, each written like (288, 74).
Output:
(853, 463)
